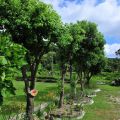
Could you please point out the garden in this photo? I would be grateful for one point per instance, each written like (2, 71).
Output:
(54, 71)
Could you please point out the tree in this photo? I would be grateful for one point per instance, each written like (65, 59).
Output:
(90, 53)
(71, 34)
(117, 59)
(34, 25)
(77, 34)
(113, 65)
(63, 55)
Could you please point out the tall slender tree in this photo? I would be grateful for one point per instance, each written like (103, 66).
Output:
(77, 34)
(63, 54)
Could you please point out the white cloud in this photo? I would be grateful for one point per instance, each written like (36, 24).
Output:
(106, 14)
(111, 49)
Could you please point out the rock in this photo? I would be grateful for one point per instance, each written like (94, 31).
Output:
(81, 116)
(91, 96)
(18, 117)
(41, 107)
(113, 83)
(97, 90)
(116, 82)
(116, 100)
(51, 118)
(91, 102)
(100, 83)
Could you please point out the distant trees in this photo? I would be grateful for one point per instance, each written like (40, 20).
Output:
(118, 59)
(113, 65)
(48, 60)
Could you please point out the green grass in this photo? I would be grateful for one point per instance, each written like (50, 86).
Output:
(103, 108)
(43, 89)
(13, 104)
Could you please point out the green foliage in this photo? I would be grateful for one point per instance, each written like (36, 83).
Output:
(91, 48)
(3, 61)
(110, 76)
(90, 57)
(30, 23)
(10, 55)
(5, 85)
(113, 65)
(34, 25)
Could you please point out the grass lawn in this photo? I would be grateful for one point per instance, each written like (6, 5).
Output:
(103, 108)
(44, 91)
(12, 104)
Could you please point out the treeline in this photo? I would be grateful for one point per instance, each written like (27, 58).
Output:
(29, 30)
(112, 65)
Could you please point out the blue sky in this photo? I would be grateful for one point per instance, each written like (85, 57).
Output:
(105, 13)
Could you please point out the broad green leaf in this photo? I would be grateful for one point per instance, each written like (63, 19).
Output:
(3, 76)
(3, 60)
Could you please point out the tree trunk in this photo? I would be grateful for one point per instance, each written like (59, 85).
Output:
(29, 85)
(74, 91)
(80, 75)
(71, 82)
(82, 85)
(70, 72)
(52, 67)
(73, 87)
(87, 83)
(61, 101)
(29, 107)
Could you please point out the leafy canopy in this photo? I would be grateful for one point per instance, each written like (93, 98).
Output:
(31, 23)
